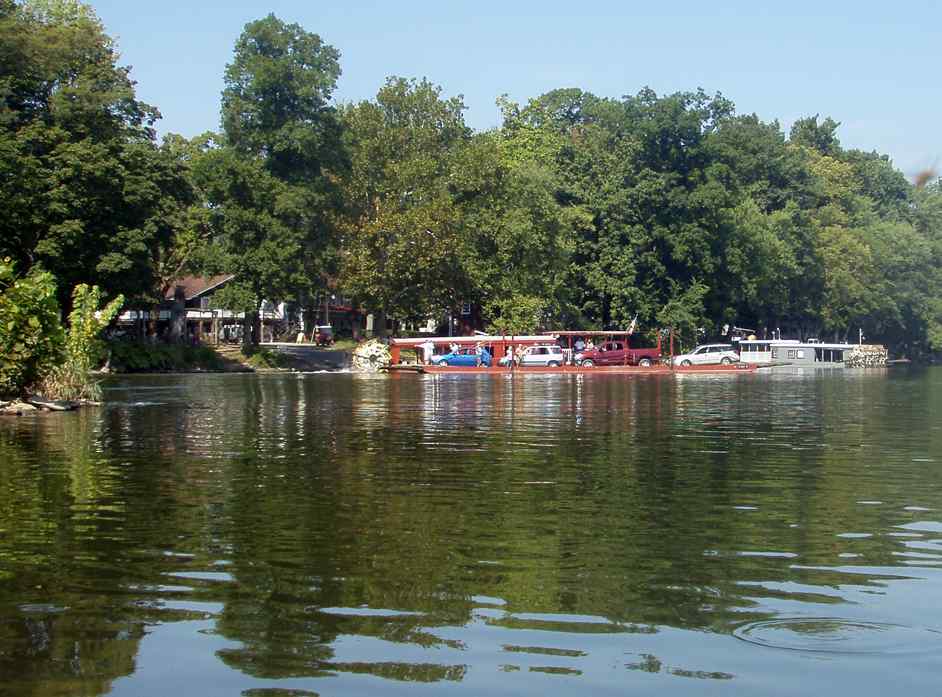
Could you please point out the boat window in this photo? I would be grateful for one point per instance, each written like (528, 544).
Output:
(800, 353)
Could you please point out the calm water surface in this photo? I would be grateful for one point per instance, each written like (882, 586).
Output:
(324, 535)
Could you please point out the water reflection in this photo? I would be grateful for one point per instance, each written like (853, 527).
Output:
(492, 534)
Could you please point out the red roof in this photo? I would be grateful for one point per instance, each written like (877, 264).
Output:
(195, 286)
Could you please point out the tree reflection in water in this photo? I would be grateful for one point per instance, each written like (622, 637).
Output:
(420, 529)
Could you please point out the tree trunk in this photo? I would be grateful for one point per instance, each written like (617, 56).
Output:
(152, 318)
(379, 323)
(307, 319)
(249, 337)
(178, 317)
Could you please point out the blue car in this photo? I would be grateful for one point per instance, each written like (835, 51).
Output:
(464, 357)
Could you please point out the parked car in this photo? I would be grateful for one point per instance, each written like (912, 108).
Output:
(708, 354)
(540, 355)
(616, 353)
(464, 357)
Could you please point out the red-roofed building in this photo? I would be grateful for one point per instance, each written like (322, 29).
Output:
(196, 289)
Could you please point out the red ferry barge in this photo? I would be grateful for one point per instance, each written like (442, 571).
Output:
(418, 354)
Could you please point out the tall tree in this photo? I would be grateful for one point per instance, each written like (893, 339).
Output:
(276, 102)
(271, 179)
(515, 239)
(87, 192)
(400, 225)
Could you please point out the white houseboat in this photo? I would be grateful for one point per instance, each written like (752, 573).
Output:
(808, 354)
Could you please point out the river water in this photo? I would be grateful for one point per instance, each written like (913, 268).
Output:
(297, 535)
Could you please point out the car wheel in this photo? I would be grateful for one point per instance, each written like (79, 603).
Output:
(552, 364)
(444, 363)
(686, 363)
(587, 363)
(726, 360)
(645, 362)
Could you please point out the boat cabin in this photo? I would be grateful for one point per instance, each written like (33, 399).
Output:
(811, 354)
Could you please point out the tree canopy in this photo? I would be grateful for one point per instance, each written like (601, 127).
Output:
(87, 193)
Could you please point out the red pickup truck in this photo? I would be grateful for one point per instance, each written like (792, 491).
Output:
(616, 353)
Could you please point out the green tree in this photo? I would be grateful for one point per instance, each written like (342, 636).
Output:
(85, 188)
(257, 230)
(400, 226)
(269, 182)
(821, 137)
(515, 239)
(276, 102)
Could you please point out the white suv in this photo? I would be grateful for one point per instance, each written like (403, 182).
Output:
(708, 354)
(542, 355)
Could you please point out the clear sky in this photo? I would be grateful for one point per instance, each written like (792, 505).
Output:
(873, 66)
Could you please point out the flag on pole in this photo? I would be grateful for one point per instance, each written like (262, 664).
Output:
(634, 323)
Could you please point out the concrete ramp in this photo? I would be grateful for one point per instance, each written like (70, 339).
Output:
(310, 357)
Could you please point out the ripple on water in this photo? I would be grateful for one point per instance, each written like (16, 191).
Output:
(842, 636)
(922, 526)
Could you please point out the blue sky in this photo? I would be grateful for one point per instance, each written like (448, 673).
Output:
(873, 66)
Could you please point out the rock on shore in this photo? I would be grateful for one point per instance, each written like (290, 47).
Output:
(19, 407)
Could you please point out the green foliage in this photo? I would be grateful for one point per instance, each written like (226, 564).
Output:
(87, 195)
(266, 359)
(276, 103)
(135, 357)
(84, 349)
(516, 315)
(684, 312)
(267, 183)
(400, 225)
(821, 137)
(31, 337)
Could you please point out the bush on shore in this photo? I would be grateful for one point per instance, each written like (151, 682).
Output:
(262, 358)
(38, 354)
(31, 336)
(72, 379)
(139, 357)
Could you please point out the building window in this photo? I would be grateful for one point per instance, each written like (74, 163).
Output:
(465, 309)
